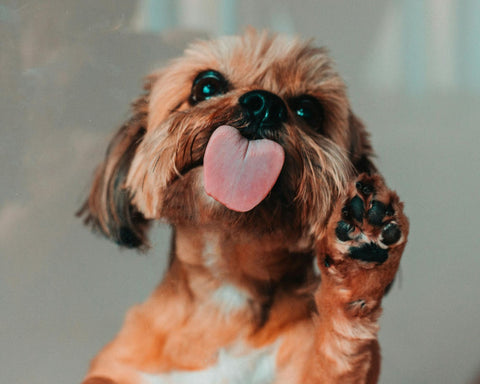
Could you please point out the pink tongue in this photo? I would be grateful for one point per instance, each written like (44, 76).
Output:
(239, 173)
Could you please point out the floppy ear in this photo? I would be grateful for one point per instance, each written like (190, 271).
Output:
(361, 150)
(108, 209)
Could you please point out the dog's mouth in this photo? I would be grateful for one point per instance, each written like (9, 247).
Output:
(239, 173)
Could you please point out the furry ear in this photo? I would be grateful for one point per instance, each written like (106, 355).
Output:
(360, 148)
(108, 209)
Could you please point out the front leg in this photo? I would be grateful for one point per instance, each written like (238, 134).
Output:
(358, 258)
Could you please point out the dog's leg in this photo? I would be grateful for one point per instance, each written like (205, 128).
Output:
(358, 258)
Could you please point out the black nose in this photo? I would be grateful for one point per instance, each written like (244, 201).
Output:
(263, 109)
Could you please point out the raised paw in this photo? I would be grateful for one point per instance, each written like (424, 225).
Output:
(365, 239)
(370, 222)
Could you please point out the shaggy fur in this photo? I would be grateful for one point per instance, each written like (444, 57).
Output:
(241, 301)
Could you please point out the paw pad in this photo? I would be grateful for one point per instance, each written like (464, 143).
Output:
(364, 189)
(357, 208)
(369, 252)
(367, 225)
(391, 234)
(343, 230)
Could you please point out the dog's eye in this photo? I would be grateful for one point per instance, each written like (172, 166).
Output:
(308, 109)
(206, 85)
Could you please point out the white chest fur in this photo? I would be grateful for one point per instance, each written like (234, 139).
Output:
(235, 365)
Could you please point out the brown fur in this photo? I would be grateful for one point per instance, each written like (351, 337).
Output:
(153, 171)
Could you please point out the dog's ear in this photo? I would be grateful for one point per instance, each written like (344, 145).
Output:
(108, 208)
(361, 151)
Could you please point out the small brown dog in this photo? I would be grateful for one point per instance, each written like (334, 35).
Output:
(248, 147)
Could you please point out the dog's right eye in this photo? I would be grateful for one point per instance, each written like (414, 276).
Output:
(207, 85)
(309, 110)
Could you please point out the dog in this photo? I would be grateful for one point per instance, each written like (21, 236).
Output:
(285, 236)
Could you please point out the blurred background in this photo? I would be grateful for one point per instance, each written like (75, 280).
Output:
(68, 71)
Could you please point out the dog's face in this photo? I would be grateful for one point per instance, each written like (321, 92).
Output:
(257, 89)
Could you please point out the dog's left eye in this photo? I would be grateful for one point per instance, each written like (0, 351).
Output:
(207, 85)
(308, 109)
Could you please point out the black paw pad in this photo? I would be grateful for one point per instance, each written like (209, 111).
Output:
(357, 208)
(391, 234)
(364, 189)
(370, 253)
(376, 213)
(343, 230)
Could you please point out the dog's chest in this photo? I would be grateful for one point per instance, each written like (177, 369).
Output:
(234, 365)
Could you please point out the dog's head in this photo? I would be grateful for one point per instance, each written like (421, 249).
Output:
(243, 132)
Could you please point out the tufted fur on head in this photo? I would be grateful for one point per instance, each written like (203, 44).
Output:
(152, 166)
